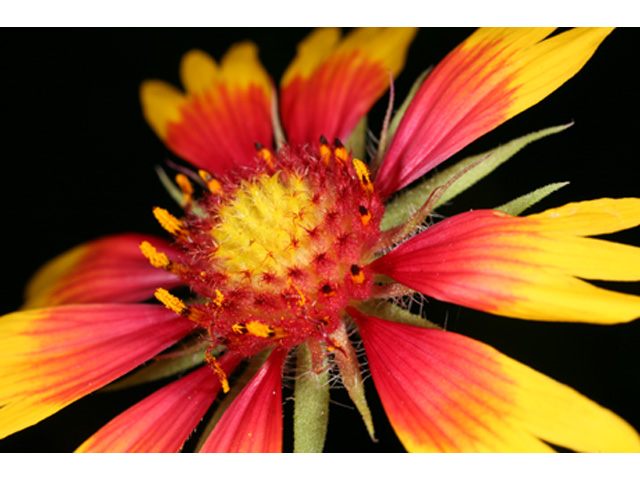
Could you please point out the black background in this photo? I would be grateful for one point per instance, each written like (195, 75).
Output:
(78, 163)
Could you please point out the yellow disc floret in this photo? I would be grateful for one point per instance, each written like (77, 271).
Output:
(266, 225)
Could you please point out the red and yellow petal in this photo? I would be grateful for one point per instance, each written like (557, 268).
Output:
(51, 357)
(163, 421)
(444, 392)
(332, 83)
(253, 422)
(492, 76)
(225, 110)
(526, 267)
(108, 270)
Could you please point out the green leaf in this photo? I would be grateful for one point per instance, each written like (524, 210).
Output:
(311, 408)
(520, 204)
(400, 209)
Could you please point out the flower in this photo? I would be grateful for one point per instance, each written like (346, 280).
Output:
(284, 246)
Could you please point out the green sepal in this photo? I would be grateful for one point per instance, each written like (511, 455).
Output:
(175, 192)
(170, 187)
(278, 132)
(395, 313)
(400, 209)
(520, 204)
(357, 141)
(385, 138)
(311, 408)
(227, 400)
(346, 358)
(162, 368)
(393, 126)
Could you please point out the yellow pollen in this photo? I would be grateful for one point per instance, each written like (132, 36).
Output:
(167, 221)
(363, 174)
(222, 376)
(213, 185)
(219, 298)
(172, 302)
(186, 187)
(301, 299)
(157, 259)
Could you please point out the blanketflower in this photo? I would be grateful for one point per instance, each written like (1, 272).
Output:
(294, 247)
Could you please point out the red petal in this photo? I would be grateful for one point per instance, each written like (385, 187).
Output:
(51, 357)
(524, 267)
(253, 422)
(444, 392)
(108, 270)
(493, 75)
(163, 421)
(333, 82)
(225, 110)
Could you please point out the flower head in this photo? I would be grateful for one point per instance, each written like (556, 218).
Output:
(293, 244)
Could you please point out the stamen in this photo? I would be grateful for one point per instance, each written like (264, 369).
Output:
(217, 368)
(325, 150)
(157, 259)
(365, 215)
(167, 221)
(301, 298)
(257, 329)
(340, 152)
(357, 275)
(219, 298)
(213, 185)
(172, 302)
(363, 174)
(265, 155)
(186, 187)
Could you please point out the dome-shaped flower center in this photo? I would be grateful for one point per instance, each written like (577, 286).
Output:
(277, 254)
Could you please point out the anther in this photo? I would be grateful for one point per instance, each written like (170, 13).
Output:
(363, 174)
(301, 298)
(257, 329)
(327, 291)
(217, 368)
(213, 185)
(219, 298)
(340, 152)
(186, 187)
(365, 215)
(357, 275)
(325, 150)
(172, 302)
(167, 221)
(265, 155)
(157, 259)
